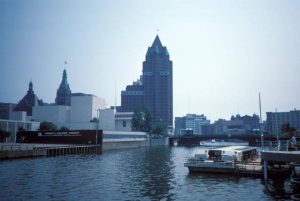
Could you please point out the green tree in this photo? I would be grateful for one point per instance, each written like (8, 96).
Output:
(47, 126)
(141, 120)
(159, 129)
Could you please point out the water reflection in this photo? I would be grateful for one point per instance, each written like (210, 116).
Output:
(154, 174)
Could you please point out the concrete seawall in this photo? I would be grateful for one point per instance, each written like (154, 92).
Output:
(113, 144)
(10, 154)
(20, 150)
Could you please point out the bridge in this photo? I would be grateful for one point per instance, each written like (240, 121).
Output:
(252, 139)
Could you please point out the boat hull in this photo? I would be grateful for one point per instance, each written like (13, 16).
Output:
(211, 168)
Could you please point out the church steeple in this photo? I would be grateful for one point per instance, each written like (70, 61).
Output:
(63, 95)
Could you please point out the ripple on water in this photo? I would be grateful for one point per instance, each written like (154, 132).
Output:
(155, 173)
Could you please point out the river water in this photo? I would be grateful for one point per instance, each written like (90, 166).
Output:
(155, 173)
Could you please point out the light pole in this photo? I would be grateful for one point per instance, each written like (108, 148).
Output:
(97, 129)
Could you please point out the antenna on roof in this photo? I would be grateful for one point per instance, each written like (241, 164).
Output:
(65, 64)
(115, 97)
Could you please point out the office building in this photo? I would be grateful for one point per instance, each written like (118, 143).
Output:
(275, 120)
(190, 122)
(154, 90)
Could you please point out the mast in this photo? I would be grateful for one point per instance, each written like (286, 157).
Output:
(261, 133)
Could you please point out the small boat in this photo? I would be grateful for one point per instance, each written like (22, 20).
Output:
(222, 143)
(220, 160)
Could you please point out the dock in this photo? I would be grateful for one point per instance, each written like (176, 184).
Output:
(278, 156)
(25, 150)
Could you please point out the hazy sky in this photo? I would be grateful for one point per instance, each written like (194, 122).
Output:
(223, 52)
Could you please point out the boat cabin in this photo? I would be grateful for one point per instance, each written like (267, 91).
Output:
(230, 153)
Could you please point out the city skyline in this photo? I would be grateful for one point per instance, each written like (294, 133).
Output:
(223, 53)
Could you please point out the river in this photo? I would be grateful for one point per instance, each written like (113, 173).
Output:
(155, 173)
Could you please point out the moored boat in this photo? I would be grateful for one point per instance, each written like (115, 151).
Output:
(220, 160)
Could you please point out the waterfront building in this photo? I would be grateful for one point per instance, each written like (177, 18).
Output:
(80, 115)
(111, 120)
(154, 90)
(251, 123)
(59, 115)
(84, 107)
(13, 126)
(223, 126)
(275, 120)
(28, 101)
(191, 122)
(63, 94)
(123, 121)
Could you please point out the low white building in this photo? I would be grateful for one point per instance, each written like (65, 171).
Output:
(115, 121)
(123, 121)
(59, 115)
(84, 107)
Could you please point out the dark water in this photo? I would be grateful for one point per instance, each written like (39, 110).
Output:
(155, 173)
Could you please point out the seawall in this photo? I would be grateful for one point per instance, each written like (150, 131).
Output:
(113, 144)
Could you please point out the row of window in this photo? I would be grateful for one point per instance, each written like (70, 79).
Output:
(130, 93)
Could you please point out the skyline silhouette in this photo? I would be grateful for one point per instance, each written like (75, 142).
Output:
(224, 53)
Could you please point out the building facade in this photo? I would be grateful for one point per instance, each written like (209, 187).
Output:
(155, 88)
(191, 122)
(275, 120)
(133, 97)
(13, 126)
(250, 123)
(84, 107)
(6, 109)
(59, 115)
(63, 94)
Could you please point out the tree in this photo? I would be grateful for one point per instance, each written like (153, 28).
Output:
(63, 128)
(94, 120)
(287, 130)
(3, 135)
(141, 120)
(159, 129)
(47, 126)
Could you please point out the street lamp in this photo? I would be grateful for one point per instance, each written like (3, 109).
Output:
(97, 129)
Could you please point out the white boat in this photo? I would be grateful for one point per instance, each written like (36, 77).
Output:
(214, 143)
(220, 160)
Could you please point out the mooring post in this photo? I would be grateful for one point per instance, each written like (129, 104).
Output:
(266, 170)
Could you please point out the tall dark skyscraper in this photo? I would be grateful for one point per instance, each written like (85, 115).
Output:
(63, 94)
(155, 87)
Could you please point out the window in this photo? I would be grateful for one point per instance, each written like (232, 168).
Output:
(124, 123)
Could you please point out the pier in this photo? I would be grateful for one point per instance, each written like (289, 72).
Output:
(278, 156)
